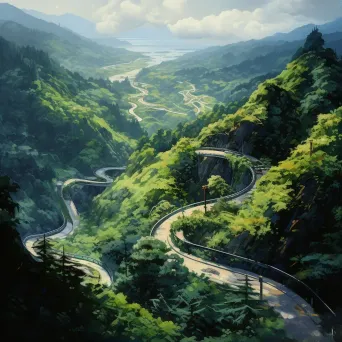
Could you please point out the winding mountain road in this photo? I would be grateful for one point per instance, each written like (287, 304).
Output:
(69, 226)
(189, 99)
(141, 99)
(301, 322)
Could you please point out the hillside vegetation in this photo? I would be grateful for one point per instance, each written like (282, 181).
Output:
(72, 51)
(296, 203)
(55, 124)
(227, 73)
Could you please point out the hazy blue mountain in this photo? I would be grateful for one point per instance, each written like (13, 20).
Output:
(11, 13)
(111, 41)
(78, 25)
(73, 51)
(301, 32)
(148, 31)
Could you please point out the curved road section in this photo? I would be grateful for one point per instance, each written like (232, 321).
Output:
(69, 226)
(189, 99)
(301, 322)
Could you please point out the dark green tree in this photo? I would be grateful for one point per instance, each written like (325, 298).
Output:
(71, 274)
(12, 248)
(218, 187)
(43, 248)
(314, 41)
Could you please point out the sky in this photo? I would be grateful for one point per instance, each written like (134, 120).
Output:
(195, 19)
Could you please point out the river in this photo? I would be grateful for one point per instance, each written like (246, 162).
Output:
(157, 51)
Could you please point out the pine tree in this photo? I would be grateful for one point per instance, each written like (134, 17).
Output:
(70, 274)
(242, 307)
(44, 251)
(314, 41)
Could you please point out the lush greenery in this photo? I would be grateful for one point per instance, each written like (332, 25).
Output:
(292, 219)
(155, 183)
(226, 73)
(71, 50)
(166, 108)
(54, 300)
(309, 86)
(275, 124)
(55, 124)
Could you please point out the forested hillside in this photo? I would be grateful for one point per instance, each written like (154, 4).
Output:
(74, 52)
(297, 203)
(56, 124)
(231, 72)
(56, 300)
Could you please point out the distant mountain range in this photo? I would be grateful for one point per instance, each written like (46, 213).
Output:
(71, 50)
(147, 31)
(79, 25)
(301, 32)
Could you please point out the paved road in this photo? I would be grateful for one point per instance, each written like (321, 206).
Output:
(69, 227)
(191, 99)
(132, 111)
(141, 99)
(301, 322)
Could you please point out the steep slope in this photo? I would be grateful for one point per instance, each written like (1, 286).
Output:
(279, 114)
(56, 300)
(303, 31)
(275, 119)
(79, 25)
(292, 219)
(71, 50)
(227, 73)
(54, 124)
(280, 117)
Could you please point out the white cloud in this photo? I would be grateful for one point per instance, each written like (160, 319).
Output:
(173, 5)
(276, 16)
(120, 15)
(215, 18)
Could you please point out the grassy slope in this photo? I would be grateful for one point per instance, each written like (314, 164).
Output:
(279, 189)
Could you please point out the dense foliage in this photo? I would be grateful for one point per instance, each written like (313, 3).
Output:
(53, 124)
(53, 299)
(309, 86)
(275, 124)
(227, 73)
(73, 51)
(292, 219)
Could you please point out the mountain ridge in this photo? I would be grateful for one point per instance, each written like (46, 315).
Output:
(79, 25)
(73, 51)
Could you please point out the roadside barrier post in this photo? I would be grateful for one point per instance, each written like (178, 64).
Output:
(205, 188)
(261, 287)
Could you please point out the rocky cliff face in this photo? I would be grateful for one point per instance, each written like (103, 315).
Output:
(239, 140)
(209, 166)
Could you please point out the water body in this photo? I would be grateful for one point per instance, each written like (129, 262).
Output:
(157, 51)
